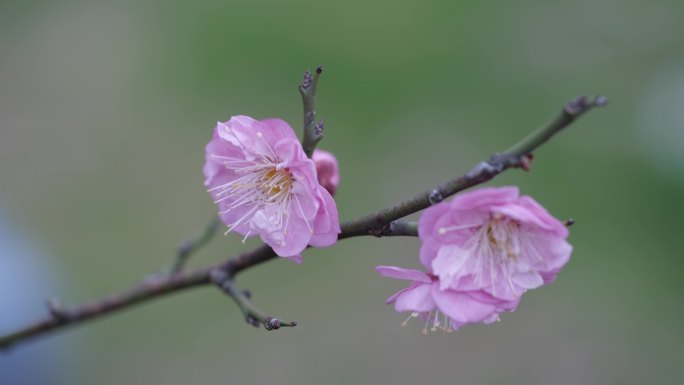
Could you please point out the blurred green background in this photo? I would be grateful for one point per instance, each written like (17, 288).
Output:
(105, 109)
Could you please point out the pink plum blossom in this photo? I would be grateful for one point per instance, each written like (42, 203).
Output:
(327, 169)
(494, 240)
(264, 184)
(442, 309)
(482, 251)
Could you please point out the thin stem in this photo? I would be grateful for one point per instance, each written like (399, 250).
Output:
(313, 132)
(481, 173)
(571, 111)
(189, 247)
(253, 316)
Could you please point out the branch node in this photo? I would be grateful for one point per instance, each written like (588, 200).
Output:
(490, 167)
(576, 106)
(401, 228)
(600, 101)
(378, 232)
(435, 196)
(271, 323)
(309, 117)
(219, 277)
(56, 310)
(526, 162)
(307, 80)
(318, 129)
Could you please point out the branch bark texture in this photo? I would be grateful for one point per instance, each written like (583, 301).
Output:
(313, 132)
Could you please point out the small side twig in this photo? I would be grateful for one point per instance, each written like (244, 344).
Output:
(313, 132)
(253, 315)
(56, 310)
(571, 111)
(189, 247)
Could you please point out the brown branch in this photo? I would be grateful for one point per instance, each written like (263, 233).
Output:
(516, 156)
(61, 317)
(381, 223)
(154, 287)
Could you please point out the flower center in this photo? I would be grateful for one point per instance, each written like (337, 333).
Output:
(259, 184)
(503, 237)
(499, 236)
(274, 181)
(496, 247)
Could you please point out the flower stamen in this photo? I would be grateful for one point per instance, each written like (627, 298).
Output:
(444, 230)
(412, 315)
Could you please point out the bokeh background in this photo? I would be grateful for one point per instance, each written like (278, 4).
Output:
(105, 108)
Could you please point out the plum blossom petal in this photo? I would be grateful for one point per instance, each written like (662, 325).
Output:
(451, 262)
(484, 198)
(417, 299)
(326, 224)
(540, 212)
(461, 307)
(295, 258)
(556, 252)
(445, 310)
(401, 273)
(432, 219)
(529, 280)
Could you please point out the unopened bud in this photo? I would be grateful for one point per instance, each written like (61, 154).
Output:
(327, 169)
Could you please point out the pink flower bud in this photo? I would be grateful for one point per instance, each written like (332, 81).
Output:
(327, 169)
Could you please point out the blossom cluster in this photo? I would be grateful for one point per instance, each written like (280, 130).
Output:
(481, 252)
